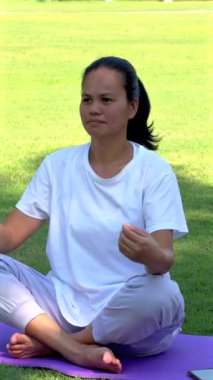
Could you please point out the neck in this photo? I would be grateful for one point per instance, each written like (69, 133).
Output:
(111, 152)
(109, 159)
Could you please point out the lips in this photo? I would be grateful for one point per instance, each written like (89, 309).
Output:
(95, 121)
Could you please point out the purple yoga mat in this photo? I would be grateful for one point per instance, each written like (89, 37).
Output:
(186, 353)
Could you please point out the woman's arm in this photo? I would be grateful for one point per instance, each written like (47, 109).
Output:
(154, 250)
(16, 228)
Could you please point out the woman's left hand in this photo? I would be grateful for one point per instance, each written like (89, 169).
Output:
(141, 247)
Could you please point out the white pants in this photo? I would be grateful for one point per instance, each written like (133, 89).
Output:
(141, 319)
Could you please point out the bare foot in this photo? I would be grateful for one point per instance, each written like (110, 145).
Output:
(93, 356)
(23, 346)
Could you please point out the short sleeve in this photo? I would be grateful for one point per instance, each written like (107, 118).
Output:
(162, 205)
(35, 201)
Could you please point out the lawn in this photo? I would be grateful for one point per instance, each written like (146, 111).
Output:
(44, 49)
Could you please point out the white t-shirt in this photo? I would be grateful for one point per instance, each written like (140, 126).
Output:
(86, 214)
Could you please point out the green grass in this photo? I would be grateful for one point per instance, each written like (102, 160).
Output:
(43, 53)
(101, 5)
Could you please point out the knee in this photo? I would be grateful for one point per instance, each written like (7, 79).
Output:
(145, 304)
(154, 295)
(148, 298)
(152, 288)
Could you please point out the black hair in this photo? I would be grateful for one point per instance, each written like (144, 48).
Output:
(138, 129)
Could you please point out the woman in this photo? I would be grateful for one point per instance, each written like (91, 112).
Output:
(114, 208)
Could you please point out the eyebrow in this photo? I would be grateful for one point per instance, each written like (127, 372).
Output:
(103, 94)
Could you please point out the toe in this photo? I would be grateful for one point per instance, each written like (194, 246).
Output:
(107, 357)
(17, 339)
(111, 361)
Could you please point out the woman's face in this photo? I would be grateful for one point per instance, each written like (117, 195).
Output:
(104, 107)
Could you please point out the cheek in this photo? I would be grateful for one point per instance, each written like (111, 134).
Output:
(120, 113)
(82, 111)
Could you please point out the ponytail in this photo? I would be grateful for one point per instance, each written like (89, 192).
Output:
(138, 129)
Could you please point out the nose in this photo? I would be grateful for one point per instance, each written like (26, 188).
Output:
(94, 108)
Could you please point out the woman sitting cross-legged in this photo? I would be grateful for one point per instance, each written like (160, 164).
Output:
(113, 206)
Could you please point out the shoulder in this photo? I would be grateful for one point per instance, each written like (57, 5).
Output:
(65, 153)
(150, 161)
(57, 162)
(62, 157)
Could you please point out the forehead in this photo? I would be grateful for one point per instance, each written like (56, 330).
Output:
(103, 79)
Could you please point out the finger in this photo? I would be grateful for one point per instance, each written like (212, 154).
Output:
(128, 247)
(129, 243)
(128, 233)
(126, 250)
(139, 231)
(123, 249)
(132, 235)
(127, 227)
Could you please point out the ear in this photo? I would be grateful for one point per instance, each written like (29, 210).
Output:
(133, 107)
